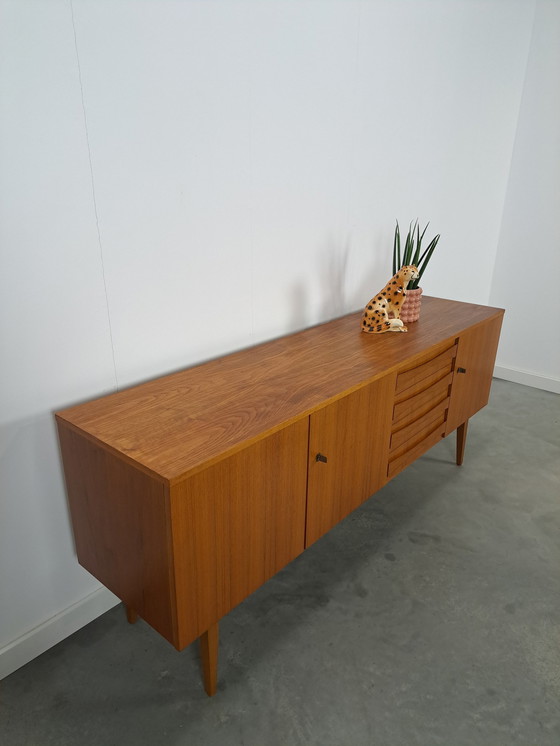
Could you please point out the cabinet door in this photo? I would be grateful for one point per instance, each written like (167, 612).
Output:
(474, 366)
(348, 447)
(236, 524)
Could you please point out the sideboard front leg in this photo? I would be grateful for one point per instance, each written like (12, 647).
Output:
(461, 441)
(209, 656)
(131, 614)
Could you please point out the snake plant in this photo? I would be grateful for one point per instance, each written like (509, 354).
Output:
(412, 253)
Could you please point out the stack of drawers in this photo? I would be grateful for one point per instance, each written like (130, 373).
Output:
(421, 402)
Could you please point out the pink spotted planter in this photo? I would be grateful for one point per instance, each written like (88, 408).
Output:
(411, 306)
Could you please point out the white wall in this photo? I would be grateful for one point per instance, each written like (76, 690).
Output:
(528, 261)
(54, 332)
(180, 179)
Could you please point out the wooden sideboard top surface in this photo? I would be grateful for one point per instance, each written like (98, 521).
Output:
(175, 425)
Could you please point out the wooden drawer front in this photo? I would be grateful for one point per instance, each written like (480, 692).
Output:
(407, 437)
(411, 409)
(398, 463)
(414, 380)
(422, 395)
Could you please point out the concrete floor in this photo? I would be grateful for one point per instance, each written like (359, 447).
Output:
(430, 616)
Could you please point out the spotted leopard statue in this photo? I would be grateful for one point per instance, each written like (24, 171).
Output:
(389, 300)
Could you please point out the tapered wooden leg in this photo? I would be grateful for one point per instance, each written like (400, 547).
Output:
(131, 614)
(461, 441)
(209, 656)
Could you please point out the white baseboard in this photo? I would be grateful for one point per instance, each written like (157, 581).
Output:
(527, 378)
(31, 644)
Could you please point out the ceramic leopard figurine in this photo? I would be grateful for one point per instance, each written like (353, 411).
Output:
(389, 300)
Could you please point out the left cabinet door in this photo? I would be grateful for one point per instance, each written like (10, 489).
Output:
(235, 524)
(348, 453)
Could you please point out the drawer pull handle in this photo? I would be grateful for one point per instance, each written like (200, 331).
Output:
(320, 457)
(461, 370)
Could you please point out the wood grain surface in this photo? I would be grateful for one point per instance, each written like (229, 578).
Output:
(121, 529)
(475, 355)
(353, 435)
(188, 492)
(209, 659)
(178, 424)
(235, 525)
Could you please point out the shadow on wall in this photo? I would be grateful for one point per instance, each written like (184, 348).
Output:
(376, 272)
(333, 269)
(332, 264)
(299, 317)
(335, 298)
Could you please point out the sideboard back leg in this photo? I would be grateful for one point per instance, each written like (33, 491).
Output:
(209, 657)
(461, 441)
(131, 614)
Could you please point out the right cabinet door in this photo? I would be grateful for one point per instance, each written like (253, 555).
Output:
(348, 449)
(474, 366)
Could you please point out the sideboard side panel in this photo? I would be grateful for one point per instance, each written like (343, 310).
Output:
(120, 521)
(236, 524)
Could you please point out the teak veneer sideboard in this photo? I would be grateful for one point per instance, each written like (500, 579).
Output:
(188, 492)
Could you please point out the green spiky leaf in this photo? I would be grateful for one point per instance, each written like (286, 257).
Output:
(396, 250)
(413, 253)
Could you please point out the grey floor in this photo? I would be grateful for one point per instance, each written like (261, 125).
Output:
(430, 616)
